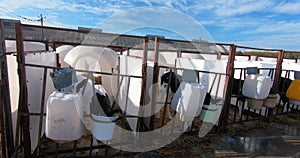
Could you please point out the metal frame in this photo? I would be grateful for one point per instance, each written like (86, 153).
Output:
(21, 33)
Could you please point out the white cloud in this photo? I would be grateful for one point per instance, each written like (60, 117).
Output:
(278, 27)
(281, 41)
(161, 18)
(147, 2)
(226, 15)
(288, 8)
(236, 7)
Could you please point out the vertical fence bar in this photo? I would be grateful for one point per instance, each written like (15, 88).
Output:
(228, 87)
(276, 82)
(23, 97)
(278, 70)
(144, 81)
(3, 133)
(154, 81)
(58, 64)
(8, 132)
(42, 110)
(140, 122)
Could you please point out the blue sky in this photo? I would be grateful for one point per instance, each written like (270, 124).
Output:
(264, 23)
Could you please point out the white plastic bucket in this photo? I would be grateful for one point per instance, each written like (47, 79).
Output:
(271, 101)
(257, 86)
(295, 102)
(188, 100)
(208, 113)
(64, 116)
(103, 127)
(255, 103)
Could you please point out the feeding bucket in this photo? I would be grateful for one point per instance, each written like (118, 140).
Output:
(255, 103)
(103, 127)
(270, 102)
(208, 113)
(294, 90)
(294, 102)
(64, 116)
(188, 100)
(257, 86)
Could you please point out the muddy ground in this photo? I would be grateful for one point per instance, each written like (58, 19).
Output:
(278, 136)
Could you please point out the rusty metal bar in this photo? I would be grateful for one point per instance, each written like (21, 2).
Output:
(80, 31)
(144, 81)
(23, 97)
(154, 81)
(278, 70)
(228, 87)
(2, 123)
(47, 46)
(200, 71)
(42, 110)
(5, 94)
(58, 64)
(264, 49)
(78, 70)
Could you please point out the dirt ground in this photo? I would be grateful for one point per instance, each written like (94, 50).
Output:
(270, 138)
(217, 145)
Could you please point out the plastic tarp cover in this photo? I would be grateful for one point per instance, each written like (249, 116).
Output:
(258, 64)
(34, 77)
(62, 52)
(96, 59)
(34, 85)
(28, 46)
(206, 79)
(130, 89)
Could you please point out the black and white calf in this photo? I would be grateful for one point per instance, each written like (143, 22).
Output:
(166, 78)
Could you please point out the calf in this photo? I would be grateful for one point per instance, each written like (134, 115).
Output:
(166, 78)
(237, 86)
(283, 87)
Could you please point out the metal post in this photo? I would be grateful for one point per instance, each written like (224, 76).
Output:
(23, 97)
(3, 133)
(228, 86)
(154, 81)
(58, 64)
(143, 91)
(42, 109)
(47, 46)
(5, 96)
(278, 70)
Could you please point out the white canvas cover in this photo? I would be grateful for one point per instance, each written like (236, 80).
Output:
(97, 59)
(62, 51)
(34, 77)
(28, 46)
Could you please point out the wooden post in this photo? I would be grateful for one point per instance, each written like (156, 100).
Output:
(23, 117)
(5, 96)
(228, 87)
